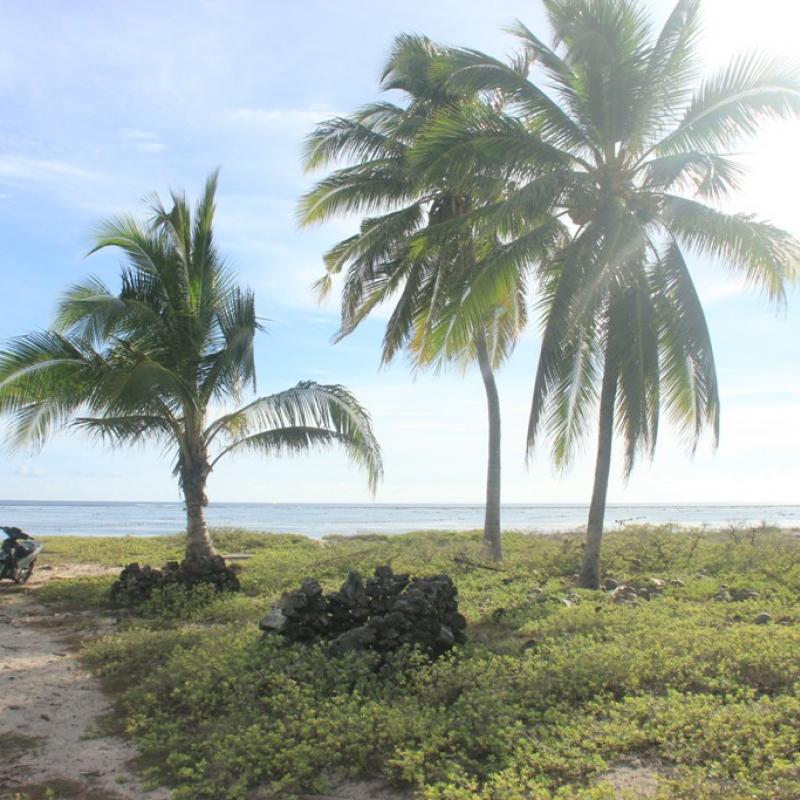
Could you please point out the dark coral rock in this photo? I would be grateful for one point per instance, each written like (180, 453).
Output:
(382, 614)
(137, 583)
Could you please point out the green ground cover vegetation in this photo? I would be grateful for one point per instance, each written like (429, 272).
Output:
(557, 688)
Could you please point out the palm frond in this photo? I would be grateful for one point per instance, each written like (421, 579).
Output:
(473, 71)
(231, 367)
(688, 372)
(148, 251)
(89, 311)
(44, 379)
(573, 393)
(462, 142)
(125, 430)
(312, 413)
(768, 256)
(368, 135)
(734, 102)
(707, 175)
(363, 188)
(667, 81)
(499, 273)
(634, 343)
(566, 312)
(411, 69)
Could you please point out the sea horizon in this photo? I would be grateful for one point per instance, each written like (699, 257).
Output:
(153, 517)
(370, 503)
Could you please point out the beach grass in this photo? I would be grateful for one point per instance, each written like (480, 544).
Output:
(560, 693)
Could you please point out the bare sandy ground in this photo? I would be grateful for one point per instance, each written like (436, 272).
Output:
(48, 696)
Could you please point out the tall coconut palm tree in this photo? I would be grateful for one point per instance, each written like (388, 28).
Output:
(146, 363)
(417, 245)
(615, 137)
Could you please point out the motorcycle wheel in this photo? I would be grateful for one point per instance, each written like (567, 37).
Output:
(22, 574)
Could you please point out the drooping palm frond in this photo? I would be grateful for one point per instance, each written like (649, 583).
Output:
(499, 274)
(561, 279)
(129, 429)
(45, 378)
(768, 256)
(371, 134)
(573, 395)
(688, 372)
(364, 188)
(707, 175)
(309, 414)
(294, 441)
(635, 347)
(378, 240)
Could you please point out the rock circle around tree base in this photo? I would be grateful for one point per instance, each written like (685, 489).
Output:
(381, 614)
(136, 583)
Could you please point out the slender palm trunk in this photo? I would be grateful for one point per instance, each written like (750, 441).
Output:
(194, 476)
(590, 571)
(491, 525)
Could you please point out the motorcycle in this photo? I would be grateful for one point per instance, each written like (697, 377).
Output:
(18, 555)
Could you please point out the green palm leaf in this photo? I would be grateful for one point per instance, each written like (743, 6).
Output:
(767, 255)
(309, 412)
(734, 102)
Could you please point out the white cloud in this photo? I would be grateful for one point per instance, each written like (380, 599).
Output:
(272, 117)
(144, 141)
(18, 168)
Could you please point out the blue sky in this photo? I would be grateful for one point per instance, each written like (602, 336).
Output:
(104, 102)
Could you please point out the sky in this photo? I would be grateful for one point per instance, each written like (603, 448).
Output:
(104, 102)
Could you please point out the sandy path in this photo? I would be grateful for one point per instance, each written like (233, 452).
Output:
(47, 694)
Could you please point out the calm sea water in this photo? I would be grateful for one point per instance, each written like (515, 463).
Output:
(317, 520)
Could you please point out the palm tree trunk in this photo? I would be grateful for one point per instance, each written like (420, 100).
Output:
(491, 525)
(198, 541)
(590, 570)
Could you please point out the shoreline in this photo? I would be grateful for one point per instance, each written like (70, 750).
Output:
(316, 520)
(670, 527)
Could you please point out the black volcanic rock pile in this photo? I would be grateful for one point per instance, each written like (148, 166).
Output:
(136, 583)
(382, 613)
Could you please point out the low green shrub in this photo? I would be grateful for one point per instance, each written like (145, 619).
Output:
(555, 690)
(77, 594)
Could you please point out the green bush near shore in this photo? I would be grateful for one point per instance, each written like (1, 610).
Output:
(557, 693)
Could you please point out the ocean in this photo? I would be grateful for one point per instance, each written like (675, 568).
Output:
(323, 519)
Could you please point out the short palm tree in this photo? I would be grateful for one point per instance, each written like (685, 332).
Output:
(615, 140)
(147, 363)
(416, 246)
